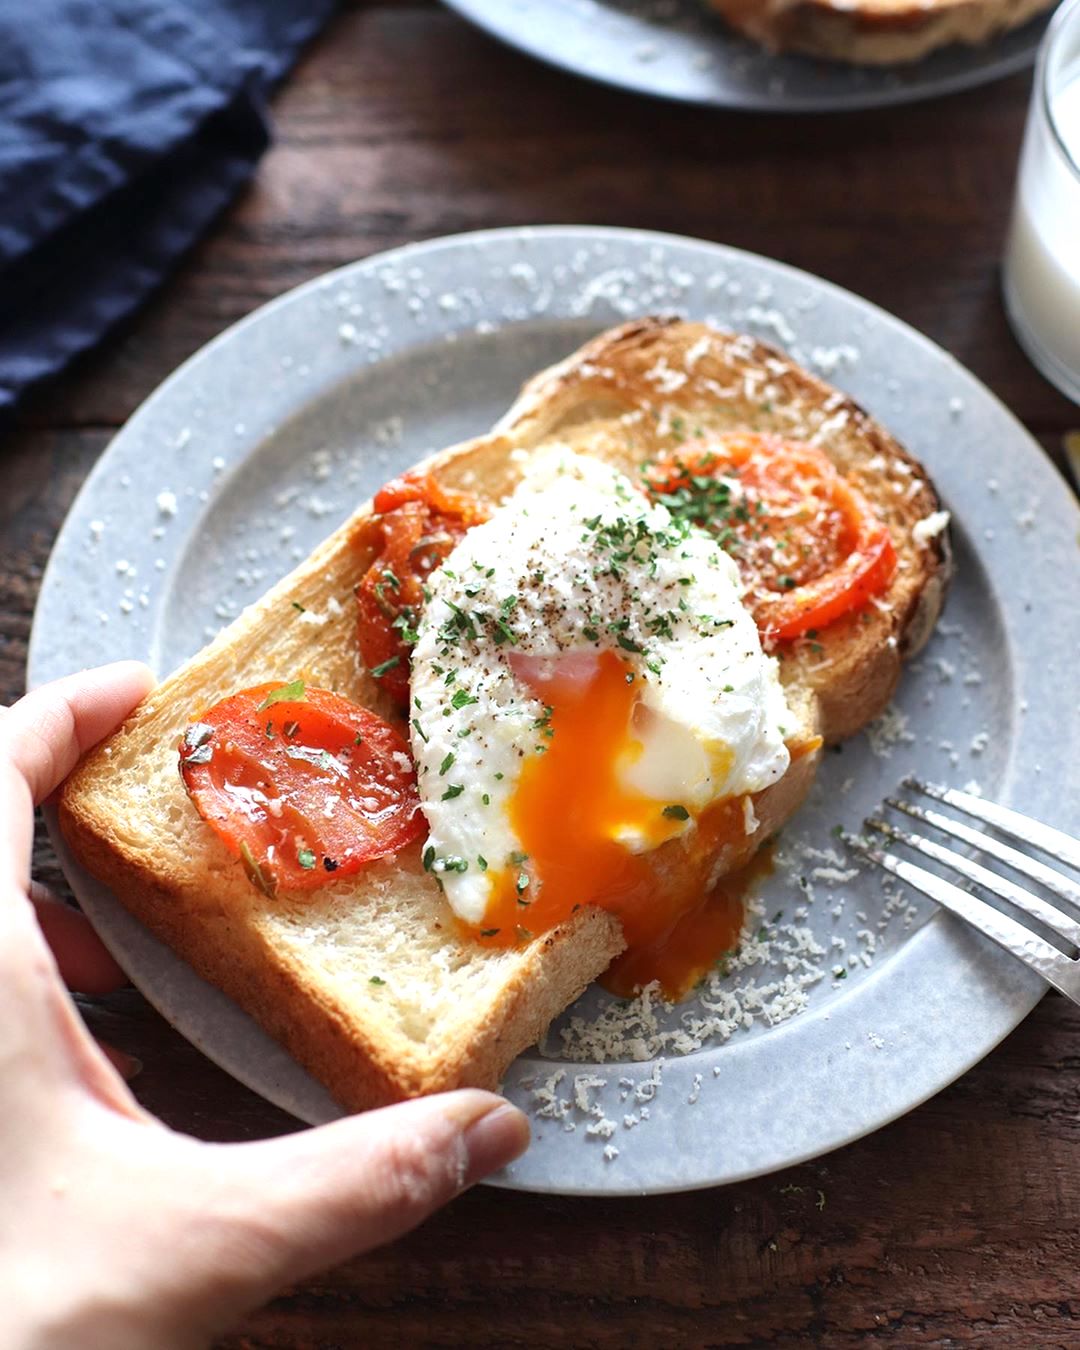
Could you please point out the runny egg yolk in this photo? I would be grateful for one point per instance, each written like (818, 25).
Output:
(572, 812)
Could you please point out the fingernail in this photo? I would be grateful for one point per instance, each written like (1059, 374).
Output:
(131, 1069)
(127, 1066)
(495, 1140)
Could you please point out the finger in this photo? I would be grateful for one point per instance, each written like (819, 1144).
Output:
(44, 733)
(314, 1198)
(84, 962)
(42, 737)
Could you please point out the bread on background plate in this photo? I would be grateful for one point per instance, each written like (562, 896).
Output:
(874, 32)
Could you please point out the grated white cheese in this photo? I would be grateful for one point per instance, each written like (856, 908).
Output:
(583, 1085)
(666, 379)
(699, 349)
(887, 731)
(837, 875)
(766, 980)
(773, 321)
(389, 431)
(546, 1102)
(828, 360)
(923, 531)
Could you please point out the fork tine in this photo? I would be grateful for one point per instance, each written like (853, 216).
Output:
(1034, 951)
(1019, 862)
(1037, 908)
(1012, 823)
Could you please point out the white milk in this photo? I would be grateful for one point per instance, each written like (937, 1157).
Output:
(1042, 261)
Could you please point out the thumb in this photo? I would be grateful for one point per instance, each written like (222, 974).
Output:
(298, 1204)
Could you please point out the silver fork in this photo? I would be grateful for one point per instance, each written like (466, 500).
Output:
(1058, 965)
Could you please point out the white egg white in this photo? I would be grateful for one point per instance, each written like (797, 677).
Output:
(549, 574)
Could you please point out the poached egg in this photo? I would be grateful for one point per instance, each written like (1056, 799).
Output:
(587, 686)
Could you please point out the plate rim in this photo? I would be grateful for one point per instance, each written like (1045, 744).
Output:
(568, 235)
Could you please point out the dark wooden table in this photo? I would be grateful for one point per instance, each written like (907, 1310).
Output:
(957, 1225)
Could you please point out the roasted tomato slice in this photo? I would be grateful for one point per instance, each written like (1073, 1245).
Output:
(416, 525)
(300, 783)
(808, 544)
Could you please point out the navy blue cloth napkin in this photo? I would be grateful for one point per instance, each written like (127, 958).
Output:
(125, 127)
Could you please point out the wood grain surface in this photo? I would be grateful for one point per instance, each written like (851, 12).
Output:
(958, 1225)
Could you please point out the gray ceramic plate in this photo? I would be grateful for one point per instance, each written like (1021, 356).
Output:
(674, 49)
(264, 441)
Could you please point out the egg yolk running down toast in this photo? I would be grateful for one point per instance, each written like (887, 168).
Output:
(572, 812)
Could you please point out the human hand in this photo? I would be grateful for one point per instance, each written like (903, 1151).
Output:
(114, 1230)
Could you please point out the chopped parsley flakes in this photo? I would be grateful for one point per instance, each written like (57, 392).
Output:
(288, 693)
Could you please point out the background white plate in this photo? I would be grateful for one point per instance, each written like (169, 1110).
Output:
(676, 49)
(266, 439)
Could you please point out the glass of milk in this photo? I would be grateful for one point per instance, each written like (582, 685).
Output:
(1041, 277)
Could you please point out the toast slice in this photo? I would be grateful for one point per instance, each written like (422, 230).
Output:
(368, 982)
(874, 32)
